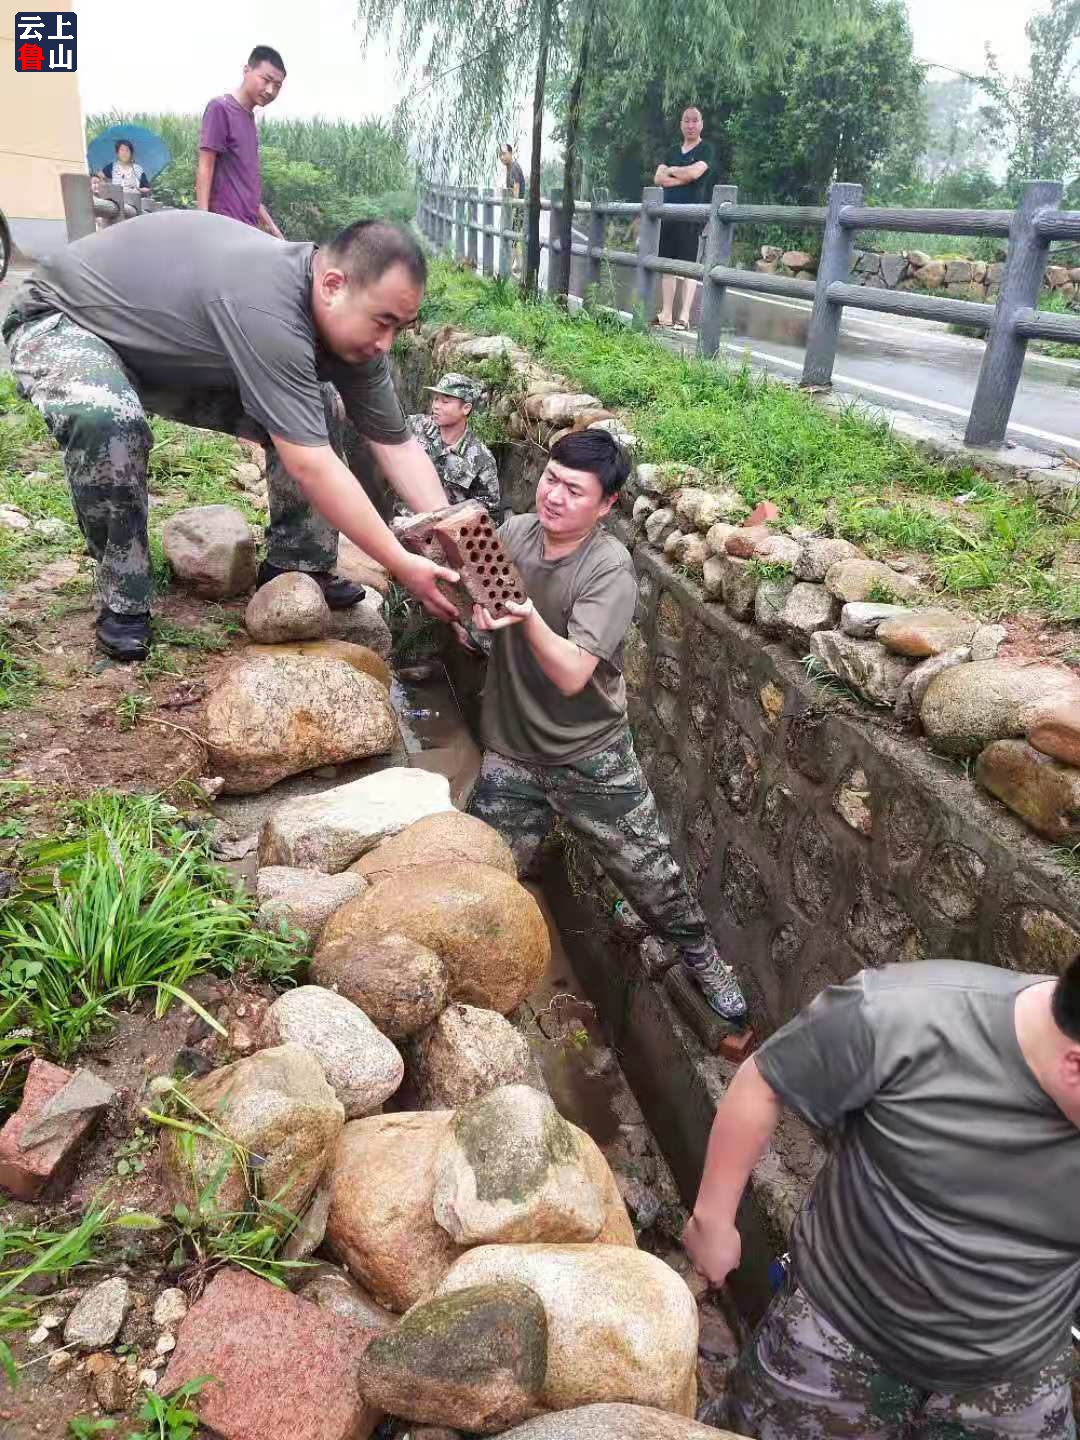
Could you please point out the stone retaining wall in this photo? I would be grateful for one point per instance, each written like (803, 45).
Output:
(820, 836)
(916, 270)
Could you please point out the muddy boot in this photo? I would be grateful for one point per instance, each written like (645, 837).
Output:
(717, 982)
(123, 637)
(339, 593)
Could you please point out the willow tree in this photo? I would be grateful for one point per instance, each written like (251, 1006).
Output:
(741, 40)
(466, 64)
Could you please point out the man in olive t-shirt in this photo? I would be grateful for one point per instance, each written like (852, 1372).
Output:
(193, 317)
(936, 1264)
(554, 724)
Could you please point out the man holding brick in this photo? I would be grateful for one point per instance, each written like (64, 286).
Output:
(936, 1264)
(554, 723)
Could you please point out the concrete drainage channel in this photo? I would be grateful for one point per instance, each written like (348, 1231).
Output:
(629, 1082)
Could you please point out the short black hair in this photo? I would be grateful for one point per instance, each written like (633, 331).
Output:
(366, 249)
(266, 52)
(129, 143)
(1065, 1002)
(597, 452)
(507, 146)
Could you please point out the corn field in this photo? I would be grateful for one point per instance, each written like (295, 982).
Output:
(318, 175)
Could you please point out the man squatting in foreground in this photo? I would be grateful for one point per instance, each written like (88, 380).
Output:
(557, 743)
(936, 1264)
(194, 317)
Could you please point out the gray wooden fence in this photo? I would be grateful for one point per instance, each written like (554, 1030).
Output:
(456, 219)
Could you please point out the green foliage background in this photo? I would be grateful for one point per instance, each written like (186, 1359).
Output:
(318, 175)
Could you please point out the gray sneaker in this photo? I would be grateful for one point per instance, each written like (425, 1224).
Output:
(717, 983)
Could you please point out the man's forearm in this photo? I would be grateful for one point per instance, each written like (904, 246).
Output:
(410, 474)
(204, 178)
(745, 1121)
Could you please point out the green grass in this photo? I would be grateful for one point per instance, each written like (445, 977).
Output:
(20, 675)
(129, 903)
(843, 474)
(186, 467)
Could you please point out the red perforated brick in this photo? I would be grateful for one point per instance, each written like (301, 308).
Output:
(464, 537)
(27, 1173)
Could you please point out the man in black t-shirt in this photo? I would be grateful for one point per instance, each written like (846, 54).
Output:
(686, 176)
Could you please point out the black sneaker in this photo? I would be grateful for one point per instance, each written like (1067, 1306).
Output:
(338, 592)
(123, 637)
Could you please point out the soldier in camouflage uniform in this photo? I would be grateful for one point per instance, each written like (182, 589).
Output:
(464, 464)
(557, 744)
(198, 319)
(934, 1273)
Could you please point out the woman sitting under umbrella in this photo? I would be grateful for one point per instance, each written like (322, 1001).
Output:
(123, 171)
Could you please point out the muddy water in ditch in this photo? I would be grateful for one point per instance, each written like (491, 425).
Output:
(563, 1028)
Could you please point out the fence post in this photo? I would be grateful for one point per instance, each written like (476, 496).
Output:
(555, 219)
(648, 247)
(488, 248)
(594, 266)
(506, 222)
(718, 238)
(459, 233)
(78, 200)
(1003, 358)
(472, 208)
(446, 222)
(837, 245)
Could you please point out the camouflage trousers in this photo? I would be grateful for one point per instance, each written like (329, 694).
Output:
(799, 1379)
(96, 411)
(606, 801)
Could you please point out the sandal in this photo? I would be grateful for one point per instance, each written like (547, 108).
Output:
(679, 325)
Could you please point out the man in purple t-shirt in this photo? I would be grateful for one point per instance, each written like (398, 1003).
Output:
(227, 179)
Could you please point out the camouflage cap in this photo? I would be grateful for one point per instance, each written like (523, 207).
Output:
(459, 387)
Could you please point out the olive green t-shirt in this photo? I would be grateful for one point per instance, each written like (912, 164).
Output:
(589, 597)
(943, 1235)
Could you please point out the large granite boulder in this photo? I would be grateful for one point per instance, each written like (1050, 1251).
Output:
(360, 657)
(399, 984)
(969, 706)
(381, 1223)
(289, 607)
(465, 1053)
(329, 830)
(510, 1171)
(276, 1105)
(302, 899)
(280, 1368)
(211, 549)
(449, 835)
(360, 1063)
(485, 927)
(615, 1422)
(276, 716)
(474, 1360)
(622, 1325)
